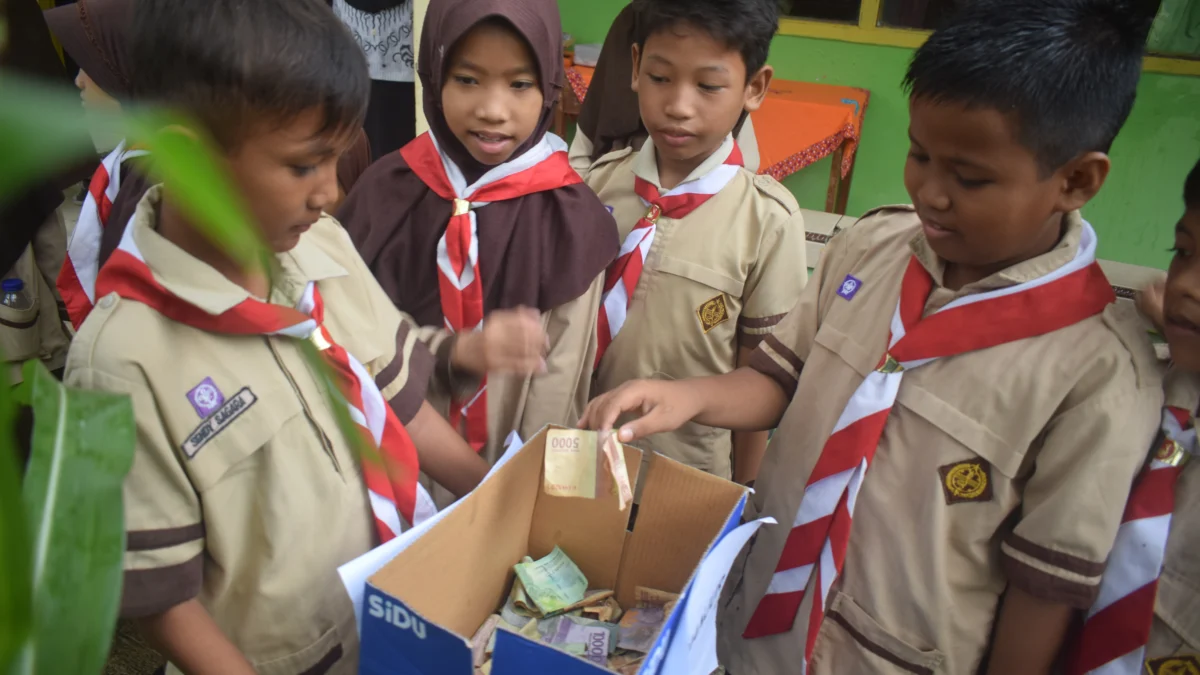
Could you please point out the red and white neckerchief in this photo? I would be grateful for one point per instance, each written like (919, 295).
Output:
(543, 167)
(77, 279)
(397, 500)
(621, 278)
(820, 531)
(1114, 636)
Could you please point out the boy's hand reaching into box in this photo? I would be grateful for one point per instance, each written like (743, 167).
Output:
(744, 400)
(664, 406)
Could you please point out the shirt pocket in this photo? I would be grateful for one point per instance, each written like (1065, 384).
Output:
(975, 437)
(862, 645)
(20, 338)
(221, 445)
(701, 274)
(707, 301)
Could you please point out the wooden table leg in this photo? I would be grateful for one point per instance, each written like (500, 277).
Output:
(839, 187)
(835, 182)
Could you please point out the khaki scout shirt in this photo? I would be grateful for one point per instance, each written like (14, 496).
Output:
(1052, 428)
(255, 517)
(1175, 636)
(37, 332)
(723, 276)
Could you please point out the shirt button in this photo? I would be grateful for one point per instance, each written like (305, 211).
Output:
(106, 302)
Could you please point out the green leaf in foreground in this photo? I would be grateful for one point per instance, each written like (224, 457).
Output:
(83, 445)
(16, 598)
(42, 129)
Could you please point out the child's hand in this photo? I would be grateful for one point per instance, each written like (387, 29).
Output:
(511, 341)
(664, 405)
(1150, 303)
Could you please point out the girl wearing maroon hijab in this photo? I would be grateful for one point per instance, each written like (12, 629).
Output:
(484, 214)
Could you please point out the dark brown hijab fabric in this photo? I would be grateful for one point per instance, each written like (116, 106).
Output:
(94, 33)
(610, 117)
(541, 250)
(354, 162)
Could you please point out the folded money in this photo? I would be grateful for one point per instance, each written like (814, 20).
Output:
(626, 662)
(608, 611)
(572, 467)
(590, 597)
(649, 597)
(615, 459)
(569, 466)
(592, 640)
(553, 583)
(640, 627)
(519, 600)
(513, 616)
(483, 637)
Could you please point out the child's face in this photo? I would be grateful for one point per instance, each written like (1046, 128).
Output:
(492, 99)
(288, 175)
(93, 96)
(692, 88)
(979, 192)
(1181, 298)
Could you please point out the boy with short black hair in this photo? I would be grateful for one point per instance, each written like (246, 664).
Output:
(713, 256)
(955, 384)
(245, 495)
(1145, 619)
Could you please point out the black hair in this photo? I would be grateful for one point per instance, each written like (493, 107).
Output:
(744, 25)
(233, 63)
(1065, 70)
(1191, 188)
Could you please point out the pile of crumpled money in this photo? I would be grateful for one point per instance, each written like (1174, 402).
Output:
(550, 602)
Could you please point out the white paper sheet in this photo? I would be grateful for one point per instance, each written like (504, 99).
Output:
(693, 647)
(355, 573)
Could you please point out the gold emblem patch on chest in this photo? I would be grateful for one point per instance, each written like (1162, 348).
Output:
(969, 481)
(1179, 664)
(713, 313)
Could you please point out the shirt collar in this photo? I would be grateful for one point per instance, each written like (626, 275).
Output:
(645, 165)
(199, 284)
(1020, 273)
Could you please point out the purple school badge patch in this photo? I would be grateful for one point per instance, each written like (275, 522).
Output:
(849, 287)
(206, 398)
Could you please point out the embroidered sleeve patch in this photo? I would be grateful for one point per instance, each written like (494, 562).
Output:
(713, 313)
(218, 421)
(969, 481)
(1179, 664)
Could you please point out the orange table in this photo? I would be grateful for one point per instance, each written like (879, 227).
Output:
(799, 124)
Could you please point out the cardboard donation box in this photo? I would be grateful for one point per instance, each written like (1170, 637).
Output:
(421, 609)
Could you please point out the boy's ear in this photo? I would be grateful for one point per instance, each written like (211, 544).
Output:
(1082, 178)
(637, 62)
(756, 90)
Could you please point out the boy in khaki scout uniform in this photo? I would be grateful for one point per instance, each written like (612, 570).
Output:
(36, 331)
(1146, 619)
(713, 256)
(245, 495)
(960, 407)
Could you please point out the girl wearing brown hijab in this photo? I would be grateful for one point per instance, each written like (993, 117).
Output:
(610, 119)
(93, 34)
(484, 214)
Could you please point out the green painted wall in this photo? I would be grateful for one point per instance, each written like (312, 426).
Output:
(1134, 214)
